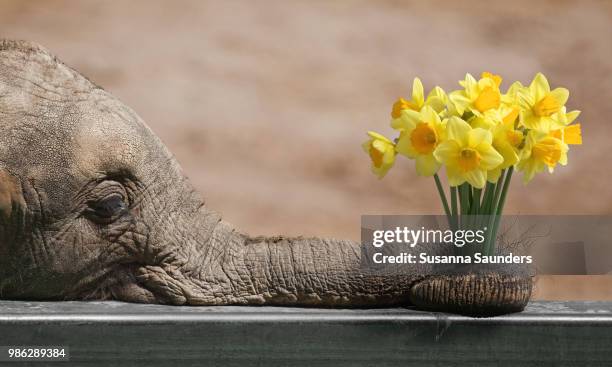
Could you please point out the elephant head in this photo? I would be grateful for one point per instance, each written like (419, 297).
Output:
(93, 206)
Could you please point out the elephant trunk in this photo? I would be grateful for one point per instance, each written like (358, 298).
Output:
(226, 266)
(203, 260)
(475, 291)
(318, 272)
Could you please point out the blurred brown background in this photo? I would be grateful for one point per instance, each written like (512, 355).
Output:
(265, 104)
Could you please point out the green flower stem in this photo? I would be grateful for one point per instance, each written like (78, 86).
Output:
(453, 192)
(475, 206)
(470, 208)
(491, 209)
(475, 218)
(485, 211)
(498, 212)
(464, 219)
(489, 245)
(471, 198)
(488, 197)
(498, 190)
(502, 199)
(442, 196)
(464, 198)
(455, 212)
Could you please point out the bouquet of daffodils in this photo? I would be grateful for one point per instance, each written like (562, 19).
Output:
(480, 136)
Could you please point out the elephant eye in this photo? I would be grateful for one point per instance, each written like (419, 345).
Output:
(107, 209)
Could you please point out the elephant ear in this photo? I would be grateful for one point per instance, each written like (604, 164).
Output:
(12, 203)
(13, 209)
(29, 71)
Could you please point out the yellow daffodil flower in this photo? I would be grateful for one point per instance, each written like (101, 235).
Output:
(487, 122)
(436, 99)
(562, 130)
(382, 153)
(495, 117)
(510, 114)
(420, 134)
(507, 141)
(563, 118)
(479, 96)
(570, 135)
(477, 132)
(512, 97)
(511, 103)
(467, 153)
(539, 103)
(496, 78)
(541, 151)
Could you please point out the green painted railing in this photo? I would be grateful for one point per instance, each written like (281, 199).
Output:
(112, 333)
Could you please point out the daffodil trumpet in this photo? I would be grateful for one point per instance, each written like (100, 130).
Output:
(480, 136)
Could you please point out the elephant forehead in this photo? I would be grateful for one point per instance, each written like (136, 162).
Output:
(110, 136)
(58, 130)
(52, 114)
(58, 148)
(40, 108)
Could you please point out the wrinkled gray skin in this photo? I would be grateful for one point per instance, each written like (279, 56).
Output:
(94, 206)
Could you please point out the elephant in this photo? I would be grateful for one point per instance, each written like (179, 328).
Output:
(93, 206)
